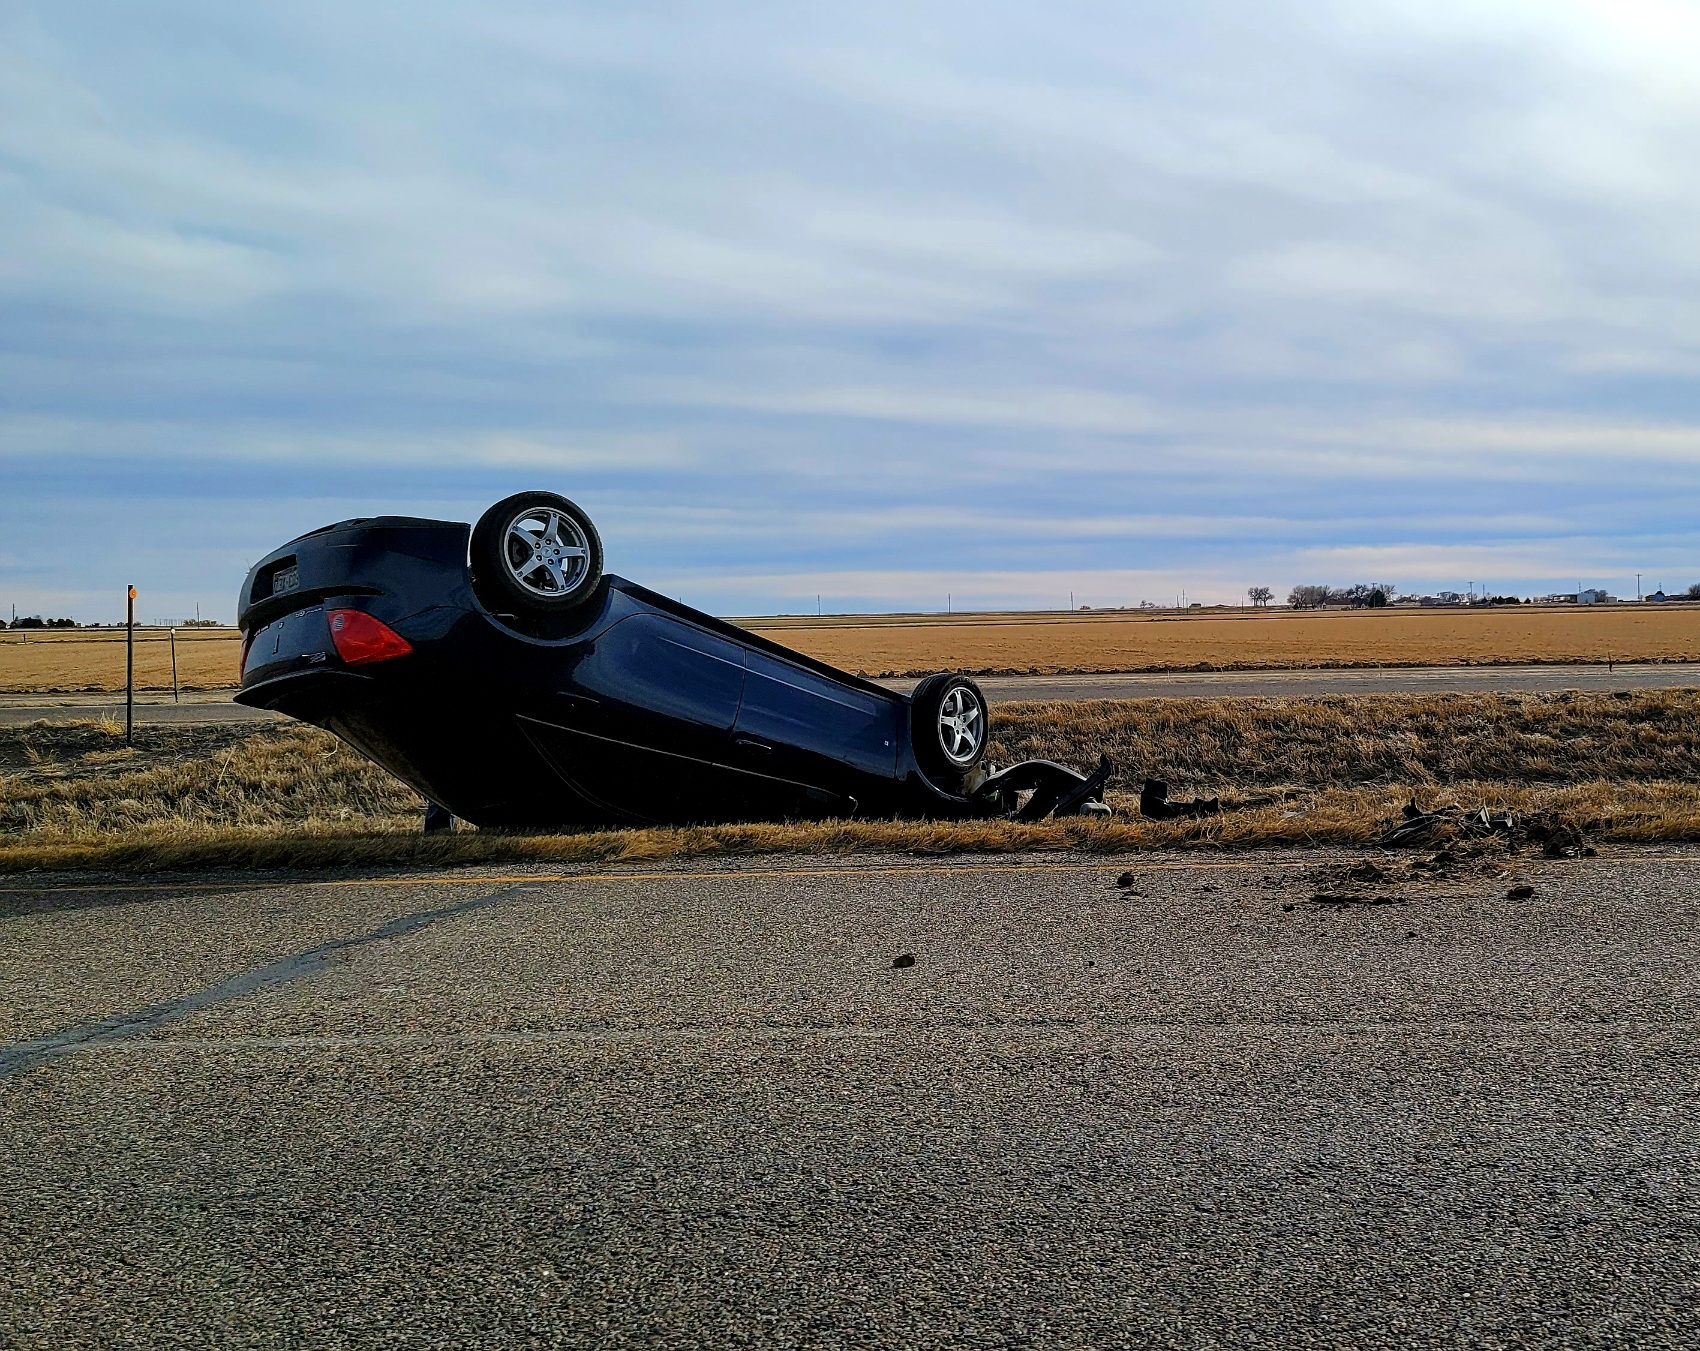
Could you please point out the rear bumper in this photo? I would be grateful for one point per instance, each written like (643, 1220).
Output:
(312, 695)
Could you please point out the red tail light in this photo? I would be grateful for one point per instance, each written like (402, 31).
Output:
(360, 639)
(247, 642)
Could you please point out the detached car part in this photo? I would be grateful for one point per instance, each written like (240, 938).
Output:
(500, 672)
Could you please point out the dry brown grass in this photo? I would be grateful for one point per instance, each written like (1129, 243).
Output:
(909, 645)
(1341, 740)
(1291, 772)
(59, 781)
(1635, 813)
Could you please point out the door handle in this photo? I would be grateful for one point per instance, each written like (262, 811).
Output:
(750, 743)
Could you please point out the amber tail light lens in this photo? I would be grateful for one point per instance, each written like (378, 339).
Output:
(360, 639)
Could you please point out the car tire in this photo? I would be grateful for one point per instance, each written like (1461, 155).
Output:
(535, 553)
(948, 727)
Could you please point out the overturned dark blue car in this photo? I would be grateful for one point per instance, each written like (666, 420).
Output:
(501, 673)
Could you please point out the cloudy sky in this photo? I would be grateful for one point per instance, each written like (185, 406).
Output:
(875, 302)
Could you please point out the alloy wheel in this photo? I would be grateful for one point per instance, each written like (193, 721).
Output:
(962, 726)
(546, 552)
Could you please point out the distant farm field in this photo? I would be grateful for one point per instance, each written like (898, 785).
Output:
(1101, 642)
(93, 659)
(1016, 644)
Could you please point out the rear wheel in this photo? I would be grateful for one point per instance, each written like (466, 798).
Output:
(535, 553)
(948, 728)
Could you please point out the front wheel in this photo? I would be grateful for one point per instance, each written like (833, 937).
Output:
(535, 553)
(948, 726)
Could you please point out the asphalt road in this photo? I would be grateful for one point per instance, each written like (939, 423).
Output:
(208, 707)
(701, 1108)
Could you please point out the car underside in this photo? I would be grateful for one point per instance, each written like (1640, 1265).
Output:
(503, 675)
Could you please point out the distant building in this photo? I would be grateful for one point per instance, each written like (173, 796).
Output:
(1658, 595)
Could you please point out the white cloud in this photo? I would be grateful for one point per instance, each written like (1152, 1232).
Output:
(819, 293)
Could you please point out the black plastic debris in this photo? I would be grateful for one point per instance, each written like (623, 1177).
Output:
(1154, 802)
(1557, 839)
(1521, 893)
(1052, 789)
(903, 961)
(1127, 879)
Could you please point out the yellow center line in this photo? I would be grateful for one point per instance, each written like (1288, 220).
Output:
(500, 879)
(898, 870)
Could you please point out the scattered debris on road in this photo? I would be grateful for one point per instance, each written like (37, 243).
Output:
(1521, 893)
(1450, 824)
(1355, 898)
(1419, 828)
(903, 961)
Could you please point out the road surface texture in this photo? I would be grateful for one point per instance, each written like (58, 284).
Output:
(704, 1107)
(216, 707)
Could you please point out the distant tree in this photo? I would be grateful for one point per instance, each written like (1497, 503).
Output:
(37, 622)
(1375, 594)
(1308, 597)
(1694, 591)
(1260, 595)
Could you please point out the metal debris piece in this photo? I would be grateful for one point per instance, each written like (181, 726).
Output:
(1443, 823)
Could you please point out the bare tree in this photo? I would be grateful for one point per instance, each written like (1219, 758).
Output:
(1694, 591)
(1260, 595)
(1308, 597)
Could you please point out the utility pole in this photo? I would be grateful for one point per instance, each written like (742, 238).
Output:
(129, 665)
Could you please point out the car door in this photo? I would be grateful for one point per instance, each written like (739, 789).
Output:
(810, 735)
(645, 728)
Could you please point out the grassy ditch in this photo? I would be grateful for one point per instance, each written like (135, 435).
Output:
(1331, 770)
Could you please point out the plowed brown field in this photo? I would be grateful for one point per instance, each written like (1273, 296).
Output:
(899, 645)
(84, 659)
(1055, 644)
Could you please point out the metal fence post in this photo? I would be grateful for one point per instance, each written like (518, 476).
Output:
(174, 665)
